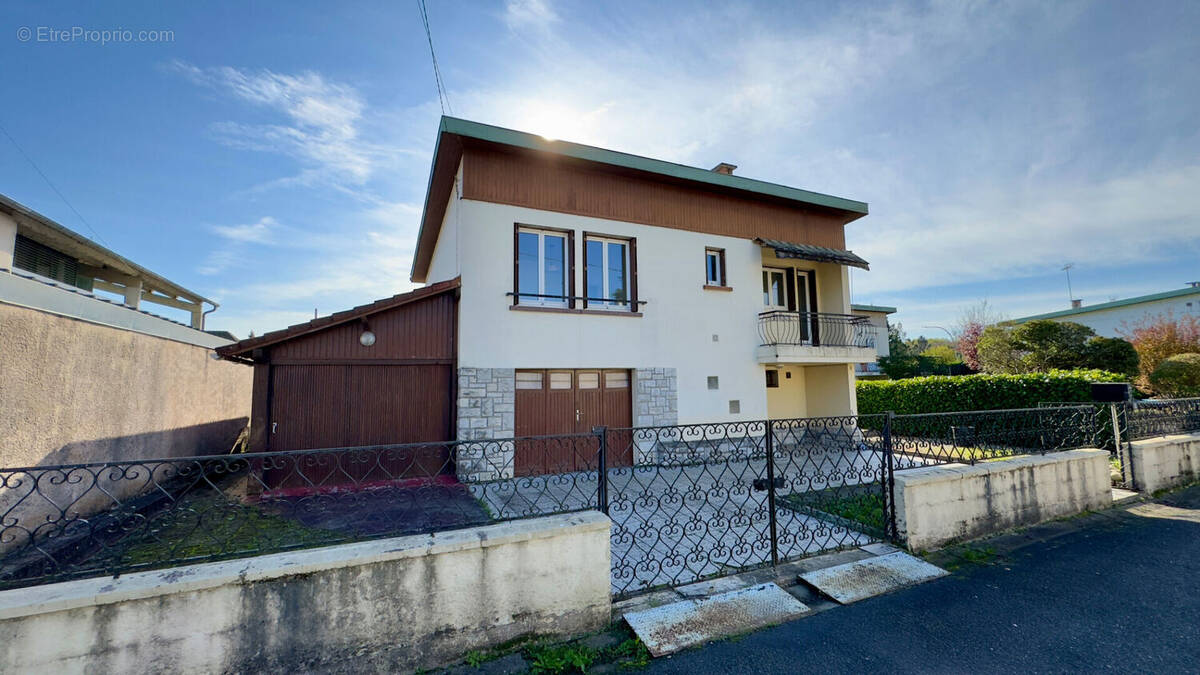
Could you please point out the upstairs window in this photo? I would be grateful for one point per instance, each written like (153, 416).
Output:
(607, 278)
(714, 267)
(541, 267)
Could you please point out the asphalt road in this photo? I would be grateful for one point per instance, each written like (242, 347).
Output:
(1117, 591)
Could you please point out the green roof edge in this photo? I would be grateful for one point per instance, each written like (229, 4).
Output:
(1165, 295)
(873, 308)
(521, 139)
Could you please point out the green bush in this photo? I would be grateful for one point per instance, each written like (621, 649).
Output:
(1178, 376)
(978, 392)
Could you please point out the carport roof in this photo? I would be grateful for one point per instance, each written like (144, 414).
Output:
(321, 323)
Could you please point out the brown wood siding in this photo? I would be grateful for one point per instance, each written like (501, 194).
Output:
(419, 330)
(557, 184)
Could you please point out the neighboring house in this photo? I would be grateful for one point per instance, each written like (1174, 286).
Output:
(32, 244)
(877, 315)
(601, 288)
(84, 378)
(1110, 319)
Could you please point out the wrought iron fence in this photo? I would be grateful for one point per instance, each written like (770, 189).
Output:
(686, 501)
(66, 522)
(705, 500)
(815, 328)
(978, 436)
(1162, 417)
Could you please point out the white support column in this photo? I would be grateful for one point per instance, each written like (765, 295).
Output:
(8, 240)
(133, 293)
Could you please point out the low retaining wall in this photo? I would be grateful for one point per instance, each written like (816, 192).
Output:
(942, 504)
(390, 605)
(1169, 461)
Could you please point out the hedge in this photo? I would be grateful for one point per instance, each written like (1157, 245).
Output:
(941, 393)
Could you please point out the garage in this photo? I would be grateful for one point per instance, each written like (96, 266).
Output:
(378, 374)
(571, 401)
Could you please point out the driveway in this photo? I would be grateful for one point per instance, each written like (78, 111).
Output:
(1115, 591)
(674, 524)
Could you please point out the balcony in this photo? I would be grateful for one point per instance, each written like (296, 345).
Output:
(814, 338)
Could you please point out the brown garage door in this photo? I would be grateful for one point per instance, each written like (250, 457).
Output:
(550, 402)
(338, 406)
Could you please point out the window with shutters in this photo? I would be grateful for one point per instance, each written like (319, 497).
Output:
(40, 259)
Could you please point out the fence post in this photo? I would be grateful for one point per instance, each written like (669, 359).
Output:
(1126, 459)
(602, 469)
(770, 445)
(890, 474)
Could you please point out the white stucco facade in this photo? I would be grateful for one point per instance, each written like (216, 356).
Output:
(696, 331)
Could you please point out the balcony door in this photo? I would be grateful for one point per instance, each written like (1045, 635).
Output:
(791, 293)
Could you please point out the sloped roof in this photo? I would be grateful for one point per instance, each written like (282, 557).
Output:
(786, 249)
(1166, 295)
(448, 150)
(337, 318)
(873, 308)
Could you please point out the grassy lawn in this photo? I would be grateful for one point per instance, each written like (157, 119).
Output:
(859, 504)
(210, 525)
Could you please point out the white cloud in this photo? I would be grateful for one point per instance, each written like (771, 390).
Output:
(519, 14)
(261, 232)
(323, 133)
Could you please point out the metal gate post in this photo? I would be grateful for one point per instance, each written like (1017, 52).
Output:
(1126, 459)
(770, 444)
(602, 469)
(889, 477)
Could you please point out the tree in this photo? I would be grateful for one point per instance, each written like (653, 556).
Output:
(1112, 354)
(1159, 337)
(1177, 376)
(1047, 345)
(968, 345)
(972, 321)
(997, 351)
(1039, 346)
(902, 361)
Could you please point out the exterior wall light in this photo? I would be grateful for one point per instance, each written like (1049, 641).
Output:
(366, 339)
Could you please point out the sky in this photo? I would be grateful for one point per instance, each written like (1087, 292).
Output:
(274, 156)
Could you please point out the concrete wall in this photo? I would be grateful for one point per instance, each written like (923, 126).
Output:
(1169, 461)
(392, 605)
(944, 504)
(697, 332)
(72, 391)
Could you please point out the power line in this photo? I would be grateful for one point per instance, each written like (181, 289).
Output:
(52, 186)
(443, 96)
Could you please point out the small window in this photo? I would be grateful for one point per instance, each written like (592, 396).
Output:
(589, 380)
(772, 379)
(714, 267)
(713, 382)
(616, 379)
(560, 380)
(735, 407)
(529, 380)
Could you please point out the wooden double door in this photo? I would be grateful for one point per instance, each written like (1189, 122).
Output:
(555, 402)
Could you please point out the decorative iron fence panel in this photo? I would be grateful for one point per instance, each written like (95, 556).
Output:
(698, 500)
(1162, 417)
(67, 522)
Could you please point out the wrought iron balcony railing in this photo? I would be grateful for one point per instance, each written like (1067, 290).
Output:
(779, 327)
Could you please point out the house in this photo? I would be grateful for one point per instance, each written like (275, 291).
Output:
(877, 316)
(589, 288)
(32, 244)
(1110, 319)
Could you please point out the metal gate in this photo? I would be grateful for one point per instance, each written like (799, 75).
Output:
(713, 499)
